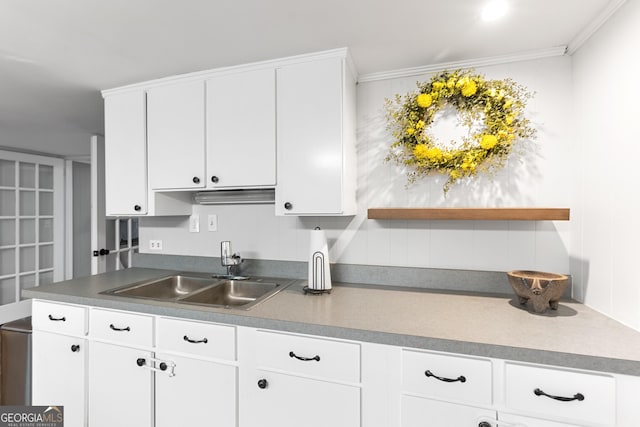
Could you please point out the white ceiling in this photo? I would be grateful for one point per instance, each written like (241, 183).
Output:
(56, 55)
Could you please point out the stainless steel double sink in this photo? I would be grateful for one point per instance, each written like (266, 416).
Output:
(205, 291)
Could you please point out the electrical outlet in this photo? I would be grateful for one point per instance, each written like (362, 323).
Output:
(155, 245)
(212, 222)
(194, 223)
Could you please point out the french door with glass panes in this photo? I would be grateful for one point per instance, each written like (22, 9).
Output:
(31, 227)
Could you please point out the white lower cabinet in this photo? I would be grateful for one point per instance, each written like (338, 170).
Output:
(120, 386)
(290, 401)
(58, 365)
(59, 359)
(195, 392)
(419, 412)
(139, 370)
(197, 381)
(298, 380)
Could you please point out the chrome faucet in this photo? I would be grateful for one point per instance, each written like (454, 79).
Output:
(227, 258)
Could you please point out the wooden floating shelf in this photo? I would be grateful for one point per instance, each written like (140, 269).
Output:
(480, 214)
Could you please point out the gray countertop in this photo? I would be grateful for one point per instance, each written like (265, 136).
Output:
(574, 336)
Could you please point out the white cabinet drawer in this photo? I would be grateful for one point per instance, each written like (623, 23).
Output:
(197, 338)
(60, 318)
(526, 386)
(462, 379)
(315, 357)
(121, 327)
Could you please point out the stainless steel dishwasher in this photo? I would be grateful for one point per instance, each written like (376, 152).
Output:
(15, 362)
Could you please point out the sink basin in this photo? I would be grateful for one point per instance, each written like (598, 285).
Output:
(166, 288)
(205, 291)
(234, 293)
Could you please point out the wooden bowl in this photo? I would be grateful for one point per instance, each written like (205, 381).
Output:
(544, 290)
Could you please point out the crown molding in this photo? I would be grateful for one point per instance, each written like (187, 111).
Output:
(593, 26)
(470, 63)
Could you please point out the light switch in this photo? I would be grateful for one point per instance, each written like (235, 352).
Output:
(194, 223)
(212, 222)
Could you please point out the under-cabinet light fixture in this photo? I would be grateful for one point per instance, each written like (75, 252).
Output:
(236, 197)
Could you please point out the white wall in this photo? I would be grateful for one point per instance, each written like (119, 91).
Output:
(540, 178)
(605, 228)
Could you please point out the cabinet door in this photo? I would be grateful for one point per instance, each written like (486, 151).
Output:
(58, 364)
(120, 391)
(517, 421)
(289, 401)
(418, 412)
(125, 154)
(241, 130)
(197, 391)
(309, 129)
(175, 129)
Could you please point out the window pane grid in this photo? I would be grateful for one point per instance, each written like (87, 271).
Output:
(26, 196)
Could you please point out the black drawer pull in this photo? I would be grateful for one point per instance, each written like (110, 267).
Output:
(461, 378)
(262, 384)
(203, 340)
(577, 396)
(75, 348)
(127, 329)
(304, 359)
(141, 361)
(57, 319)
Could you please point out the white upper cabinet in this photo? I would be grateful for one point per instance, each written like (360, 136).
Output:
(287, 123)
(241, 129)
(316, 138)
(125, 154)
(175, 132)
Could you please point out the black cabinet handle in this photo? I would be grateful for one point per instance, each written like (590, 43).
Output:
(304, 359)
(57, 319)
(485, 424)
(215, 179)
(163, 366)
(577, 396)
(104, 252)
(127, 329)
(141, 362)
(75, 348)
(196, 180)
(203, 340)
(461, 378)
(262, 383)
(137, 208)
(288, 206)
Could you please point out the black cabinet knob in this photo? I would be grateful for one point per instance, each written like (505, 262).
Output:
(288, 206)
(484, 424)
(262, 383)
(104, 252)
(215, 179)
(163, 366)
(141, 361)
(75, 348)
(137, 208)
(196, 180)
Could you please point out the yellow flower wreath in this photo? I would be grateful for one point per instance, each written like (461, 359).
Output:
(498, 104)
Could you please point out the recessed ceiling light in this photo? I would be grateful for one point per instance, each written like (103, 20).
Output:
(494, 10)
